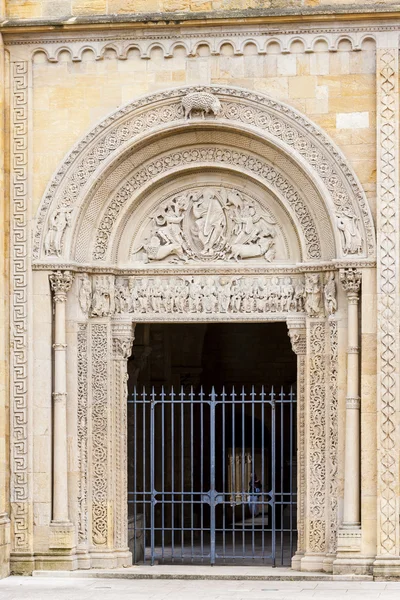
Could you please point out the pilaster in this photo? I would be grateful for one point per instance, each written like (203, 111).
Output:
(387, 562)
(122, 340)
(298, 338)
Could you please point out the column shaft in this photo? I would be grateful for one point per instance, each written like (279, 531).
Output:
(60, 283)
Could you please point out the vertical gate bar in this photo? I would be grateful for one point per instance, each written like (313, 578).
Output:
(243, 487)
(191, 473)
(223, 397)
(172, 474)
(263, 478)
(273, 457)
(282, 471)
(212, 476)
(134, 470)
(162, 396)
(201, 474)
(144, 470)
(152, 524)
(233, 475)
(252, 466)
(291, 470)
(182, 475)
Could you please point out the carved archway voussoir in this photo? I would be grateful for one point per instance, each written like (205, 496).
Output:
(269, 118)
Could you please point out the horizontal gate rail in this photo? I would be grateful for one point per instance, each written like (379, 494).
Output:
(212, 476)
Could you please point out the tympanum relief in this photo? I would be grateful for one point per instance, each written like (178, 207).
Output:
(213, 295)
(207, 224)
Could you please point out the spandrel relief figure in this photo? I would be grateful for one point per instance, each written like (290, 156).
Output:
(206, 224)
(313, 295)
(59, 220)
(348, 225)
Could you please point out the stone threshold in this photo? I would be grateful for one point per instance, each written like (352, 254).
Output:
(192, 572)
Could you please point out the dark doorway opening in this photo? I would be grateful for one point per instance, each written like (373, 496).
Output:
(212, 444)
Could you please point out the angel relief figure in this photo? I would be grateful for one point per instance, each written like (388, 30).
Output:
(166, 237)
(253, 233)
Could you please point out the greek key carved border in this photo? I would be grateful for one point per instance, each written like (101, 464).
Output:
(22, 521)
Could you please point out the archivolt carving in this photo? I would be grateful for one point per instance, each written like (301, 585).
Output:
(240, 108)
(208, 224)
(247, 162)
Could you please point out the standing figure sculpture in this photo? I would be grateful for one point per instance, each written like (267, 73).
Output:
(59, 220)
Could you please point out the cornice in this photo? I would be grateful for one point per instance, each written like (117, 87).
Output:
(328, 14)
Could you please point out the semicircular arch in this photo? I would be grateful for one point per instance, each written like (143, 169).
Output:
(293, 138)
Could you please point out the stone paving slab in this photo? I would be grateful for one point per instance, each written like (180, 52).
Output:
(186, 572)
(74, 588)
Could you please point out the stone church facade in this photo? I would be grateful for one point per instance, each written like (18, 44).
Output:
(157, 153)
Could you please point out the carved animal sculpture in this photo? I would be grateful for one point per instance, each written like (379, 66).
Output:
(202, 102)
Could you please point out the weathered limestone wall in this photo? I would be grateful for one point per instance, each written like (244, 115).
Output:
(335, 89)
(46, 8)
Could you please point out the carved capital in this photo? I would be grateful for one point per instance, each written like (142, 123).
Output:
(61, 282)
(123, 335)
(297, 334)
(351, 281)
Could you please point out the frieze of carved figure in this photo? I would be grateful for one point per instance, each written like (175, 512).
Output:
(197, 295)
(85, 294)
(313, 295)
(348, 225)
(103, 301)
(330, 294)
(201, 102)
(207, 224)
(59, 220)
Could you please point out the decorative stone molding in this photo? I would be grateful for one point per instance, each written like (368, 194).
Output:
(388, 278)
(272, 37)
(353, 403)
(240, 108)
(122, 340)
(82, 435)
(100, 440)
(332, 369)
(317, 443)
(21, 454)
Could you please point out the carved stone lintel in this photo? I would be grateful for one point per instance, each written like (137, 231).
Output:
(61, 282)
(350, 279)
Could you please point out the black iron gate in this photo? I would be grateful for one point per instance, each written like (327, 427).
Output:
(212, 476)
